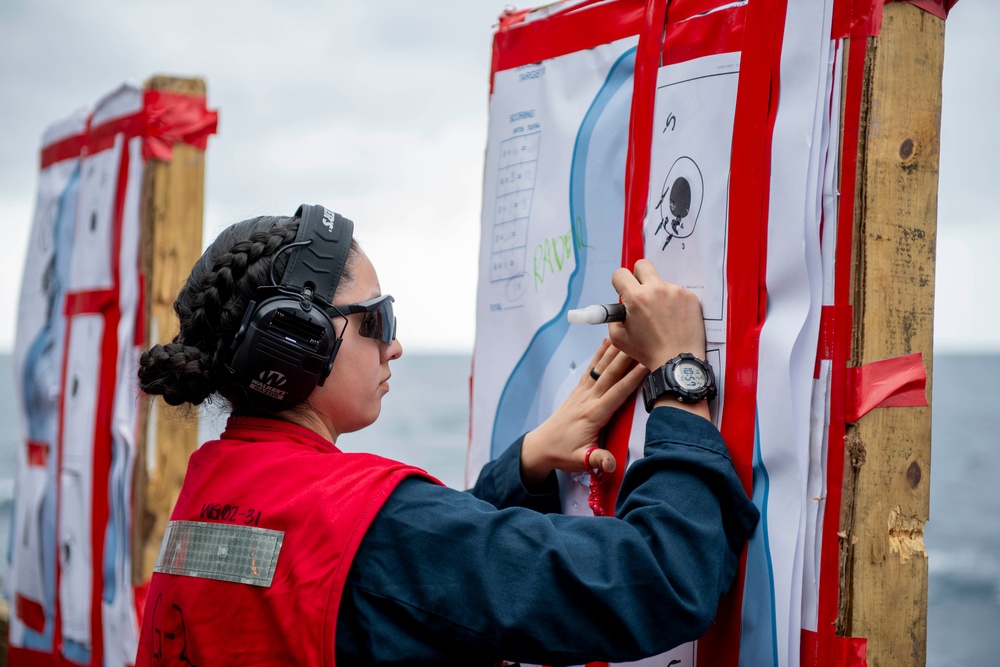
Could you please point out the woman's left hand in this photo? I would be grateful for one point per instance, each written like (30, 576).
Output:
(561, 441)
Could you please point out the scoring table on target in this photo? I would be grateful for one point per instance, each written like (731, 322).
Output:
(515, 188)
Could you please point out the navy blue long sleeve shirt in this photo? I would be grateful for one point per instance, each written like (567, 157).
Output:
(448, 577)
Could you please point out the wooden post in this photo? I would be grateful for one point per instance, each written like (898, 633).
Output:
(887, 480)
(173, 201)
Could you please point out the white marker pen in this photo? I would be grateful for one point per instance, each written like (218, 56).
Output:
(597, 314)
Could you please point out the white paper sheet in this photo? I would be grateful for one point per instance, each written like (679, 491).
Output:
(83, 365)
(794, 298)
(553, 202)
(38, 361)
(71, 254)
(687, 210)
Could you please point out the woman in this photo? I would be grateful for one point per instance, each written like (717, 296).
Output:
(284, 550)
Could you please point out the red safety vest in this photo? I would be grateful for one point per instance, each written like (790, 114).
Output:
(256, 555)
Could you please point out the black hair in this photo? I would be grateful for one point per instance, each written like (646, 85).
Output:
(211, 306)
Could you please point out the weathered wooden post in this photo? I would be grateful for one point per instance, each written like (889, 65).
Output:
(886, 494)
(173, 200)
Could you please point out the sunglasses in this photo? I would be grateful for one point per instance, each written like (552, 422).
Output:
(378, 323)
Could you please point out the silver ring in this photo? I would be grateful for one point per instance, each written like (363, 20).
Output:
(594, 374)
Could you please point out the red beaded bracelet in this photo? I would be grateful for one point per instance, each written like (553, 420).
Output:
(596, 475)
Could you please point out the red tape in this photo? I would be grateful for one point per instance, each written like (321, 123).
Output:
(618, 431)
(38, 454)
(640, 139)
(842, 322)
(746, 253)
(31, 613)
(517, 43)
(166, 119)
(94, 301)
(890, 383)
(835, 321)
(863, 18)
(640, 131)
(64, 149)
(938, 8)
(832, 651)
(172, 118)
(857, 18)
(718, 32)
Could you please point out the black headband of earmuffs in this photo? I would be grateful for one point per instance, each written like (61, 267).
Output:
(287, 342)
(320, 261)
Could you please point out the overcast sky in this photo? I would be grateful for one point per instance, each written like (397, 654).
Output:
(379, 110)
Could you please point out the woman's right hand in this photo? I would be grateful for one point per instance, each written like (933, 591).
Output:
(662, 319)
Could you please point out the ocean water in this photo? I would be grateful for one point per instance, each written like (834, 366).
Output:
(963, 533)
(424, 422)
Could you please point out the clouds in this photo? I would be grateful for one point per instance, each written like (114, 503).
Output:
(377, 109)
(970, 134)
(967, 295)
(967, 288)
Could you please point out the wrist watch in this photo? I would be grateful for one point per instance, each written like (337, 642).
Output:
(685, 377)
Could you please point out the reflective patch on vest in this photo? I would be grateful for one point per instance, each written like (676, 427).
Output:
(241, 554)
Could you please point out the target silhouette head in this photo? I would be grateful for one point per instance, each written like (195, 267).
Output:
(680, 198)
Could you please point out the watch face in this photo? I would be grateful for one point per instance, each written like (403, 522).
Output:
(690, 376)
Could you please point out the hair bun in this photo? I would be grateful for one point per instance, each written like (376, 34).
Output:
(179, 373)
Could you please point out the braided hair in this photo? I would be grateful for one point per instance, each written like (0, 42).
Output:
(211, 306)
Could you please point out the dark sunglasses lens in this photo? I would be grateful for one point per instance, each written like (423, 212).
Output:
(380, 323)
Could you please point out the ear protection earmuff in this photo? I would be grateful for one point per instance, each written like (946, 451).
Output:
(287, 342)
